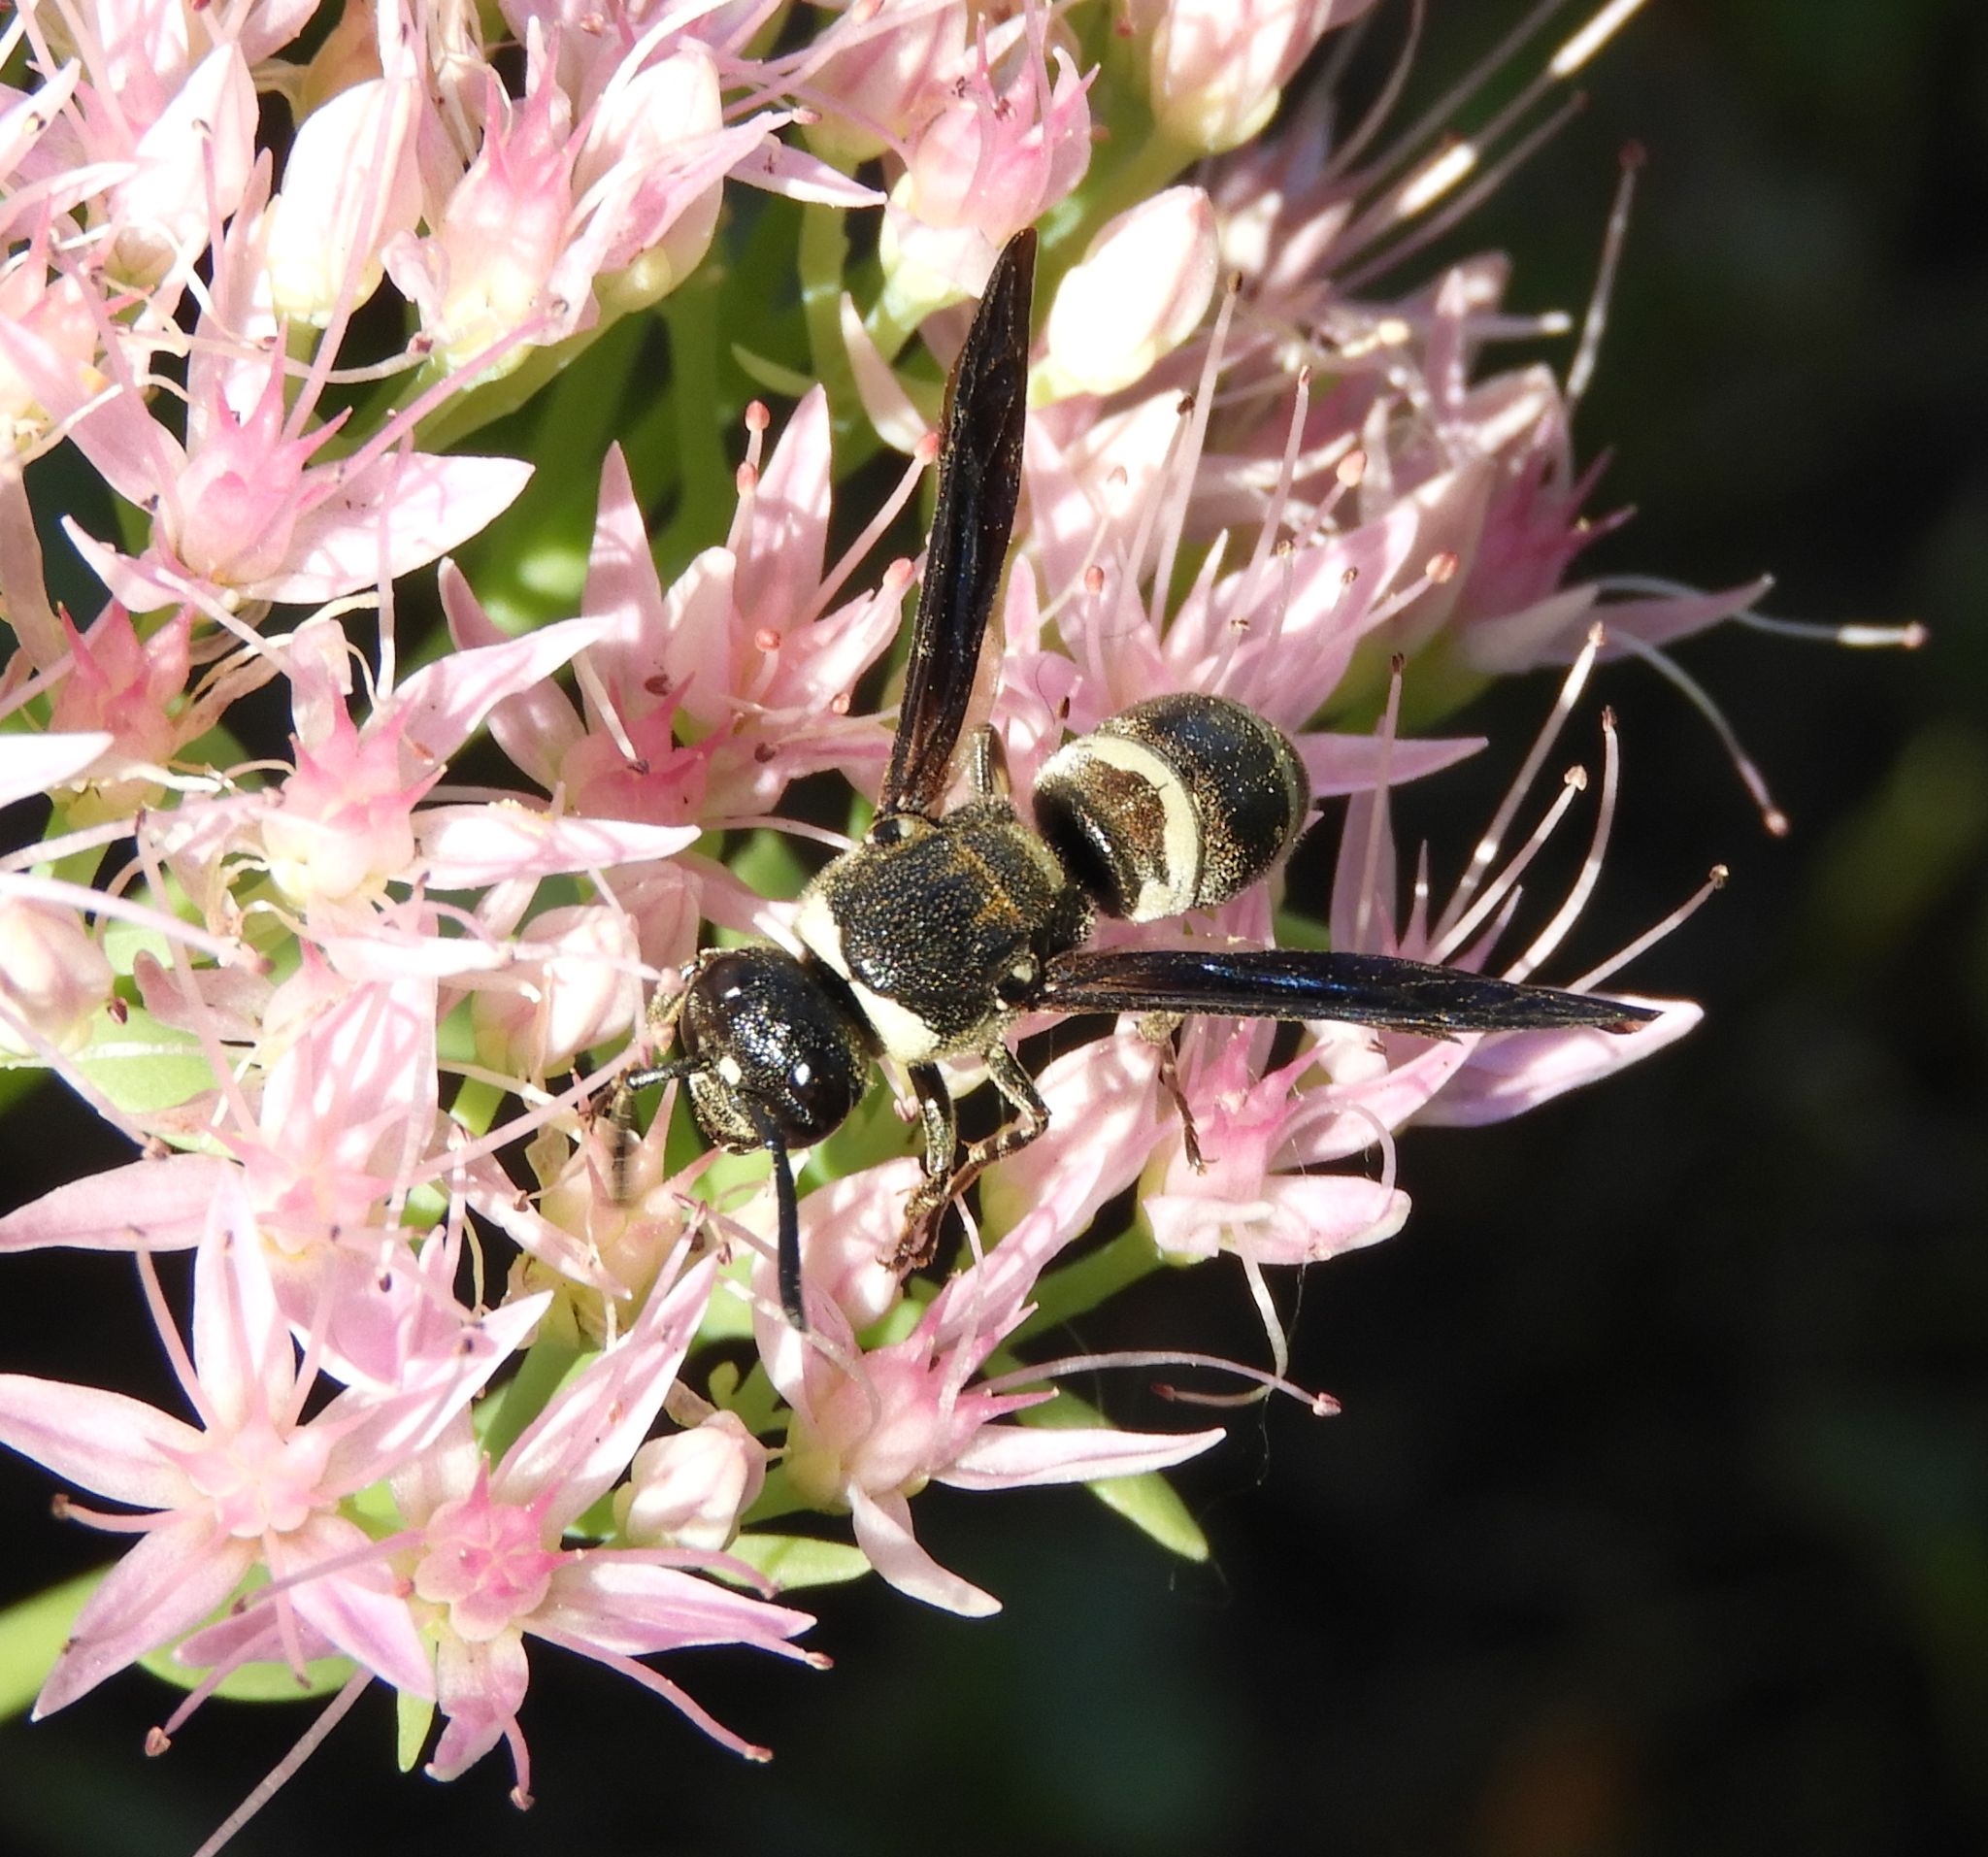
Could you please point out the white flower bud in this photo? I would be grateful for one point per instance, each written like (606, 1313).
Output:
(689, 1489)
(53, 977)
(1216, 68)
(1142, 289)
(579, 984)
(351, 185)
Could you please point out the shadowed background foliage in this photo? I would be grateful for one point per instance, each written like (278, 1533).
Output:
(1657, 1519)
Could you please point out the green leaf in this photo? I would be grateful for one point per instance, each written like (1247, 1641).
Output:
(753, 1399)
(770, 374)
(32, 1635)
(547, 1365)
(1078, 1287)
(767, 864)
(413, 1715)
(1153, 1506)
(18, 1082)
(728, 1317)
(257, 1683)
(776, 1497)
(1293, 930)
(1147, 1500)
(795, 1560)
(144, 1065)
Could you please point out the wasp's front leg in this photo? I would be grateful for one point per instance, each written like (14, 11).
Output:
(940, 1119)
(944, 1182)
(660, 1026)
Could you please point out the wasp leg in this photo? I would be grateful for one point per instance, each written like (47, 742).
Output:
(620, 1110)
(940, 1119)
(662, 1019)
(1031, 1118)
(1164, 1030)
(987, 765)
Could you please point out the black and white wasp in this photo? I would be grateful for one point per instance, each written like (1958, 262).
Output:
(931, 937)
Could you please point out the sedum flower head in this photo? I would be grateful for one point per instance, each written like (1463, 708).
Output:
(477, 310)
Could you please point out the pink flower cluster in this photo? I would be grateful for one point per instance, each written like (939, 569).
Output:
(344, 1005)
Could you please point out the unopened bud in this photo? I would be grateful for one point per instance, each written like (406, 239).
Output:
(689, 1489)
(1141, 291)
(53, 977)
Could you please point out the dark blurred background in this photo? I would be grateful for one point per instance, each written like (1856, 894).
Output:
(1657, 1518)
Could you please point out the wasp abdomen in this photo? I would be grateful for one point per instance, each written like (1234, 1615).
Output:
(1177, 803)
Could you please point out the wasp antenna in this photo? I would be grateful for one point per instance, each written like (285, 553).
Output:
(788, 1242)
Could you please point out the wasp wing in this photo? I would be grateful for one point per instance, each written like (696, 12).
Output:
(1304, 983)
(979, 479)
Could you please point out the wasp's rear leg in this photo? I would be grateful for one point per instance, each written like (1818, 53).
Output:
(1164, 1030)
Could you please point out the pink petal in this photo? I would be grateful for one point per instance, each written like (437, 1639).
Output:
(623, 587)
(377, 955)
(435, 1383)
(165, 1585)
(1017, 1456)
(1514, 1070)
(138, 583)
(888, 406)
(630, 1608)
(34, 763)
(354, 1609)
(800, 176)
(251, 1636)
(1549, 631)
(1104, 1122)
(471, 847)
(1390, 1098)
(147, 1205)
(442, 1474)
(1356, 763)
(105, 1441)
(1295, 1219)
(242, 1348)
(534, 727)
(1657, 621)
(480, 1687)
(590, 1429)
(495, 1196)
(781, 558)
(443, 704)
(389, 516)
(364, 1071)
(883, 1532)
(125, 445)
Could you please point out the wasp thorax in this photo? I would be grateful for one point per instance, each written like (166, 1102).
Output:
(1177, 803)
(768, 1036)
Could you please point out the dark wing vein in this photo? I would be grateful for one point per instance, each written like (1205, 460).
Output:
(1301, 983)
(979, 480)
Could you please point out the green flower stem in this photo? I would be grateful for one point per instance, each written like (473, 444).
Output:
(547, 1364)
(823, 258)
(704, 472)
(1080, 1287)
(475, 1105)
(455, 419)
